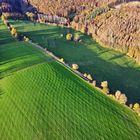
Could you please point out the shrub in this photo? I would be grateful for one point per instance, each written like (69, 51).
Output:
(85, 74)
(136, 108)
(31, 15)
(94, 83)
(2, 17)
(13, 31)
(69, 37)
(117, 94)
(5, 22)
(105, 90)
(16, 35)
(61, 60)
(104, 84)
(76, 37)
(26, 39)
(89, 77)
(112, 96)
(75, 67)
(122, 99)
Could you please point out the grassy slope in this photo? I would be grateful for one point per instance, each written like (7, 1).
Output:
(104, 64)
(15, 55)
(47, 101)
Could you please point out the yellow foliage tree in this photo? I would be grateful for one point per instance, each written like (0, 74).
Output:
(117, 94)
(89, 77)
(76, 37)
(75, 67)
(26, 39)
(104, 86)
(5, 22)
(61, 60)
(136, 106)
(122, 99)
(2, 18)
(13, 31)
(30, 15)
(69, 37)
(85, 74)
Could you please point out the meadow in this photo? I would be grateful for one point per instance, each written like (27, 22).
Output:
(41, 99)
(103, 64)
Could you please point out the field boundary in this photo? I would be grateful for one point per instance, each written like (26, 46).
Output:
(58, 60)
(76, 72)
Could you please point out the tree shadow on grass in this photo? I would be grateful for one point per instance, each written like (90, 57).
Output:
(121, 75)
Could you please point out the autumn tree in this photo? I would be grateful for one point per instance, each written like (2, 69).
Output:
(75, 67)
(104, 86)
(89, 77)
(117, 94)
(13, 31)
(121, 97)
(136, 108)
(69, 37)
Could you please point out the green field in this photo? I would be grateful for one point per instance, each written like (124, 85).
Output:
(104, 64)
(15, 55)
(42, 100)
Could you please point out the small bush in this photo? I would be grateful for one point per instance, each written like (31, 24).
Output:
(94, 83)
(117, 94)
(85, 74)
(75, 67)
(26, 39)
(104, 84)
(136, 108)
(122, 99)
(13, 31)
(105, 90)
(112, 96)
(5, 22)
(76, 37)
(69, 37)
(61, 60)
(3, 18)
(89, 77)
(16, 35)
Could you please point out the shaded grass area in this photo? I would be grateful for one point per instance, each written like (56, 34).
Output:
(103, 64)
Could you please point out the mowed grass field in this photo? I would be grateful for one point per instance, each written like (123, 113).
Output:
(120, 71)
(15, 55)
(42, 100)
